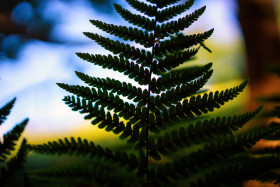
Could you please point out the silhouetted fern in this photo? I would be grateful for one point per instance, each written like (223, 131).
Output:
(207, 153)
(11, 166)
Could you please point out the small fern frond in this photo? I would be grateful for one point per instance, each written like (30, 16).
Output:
(196, 105)
(140, 21)
(102, 98)
(5, 110)
(115, 86)
(10, 138)
(132, 34)
(124, 50)
(173, 11)
(142, 7)
(101, 118)
(133, 71)
(174, 60)
(178, 77)
(172, 27)
(176, 94)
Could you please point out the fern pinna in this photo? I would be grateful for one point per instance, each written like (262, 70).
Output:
(11, 166)
(159, 98)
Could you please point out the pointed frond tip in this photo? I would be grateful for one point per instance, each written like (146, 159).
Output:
(5, 110)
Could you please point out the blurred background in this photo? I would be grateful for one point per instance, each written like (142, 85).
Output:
(39, 38)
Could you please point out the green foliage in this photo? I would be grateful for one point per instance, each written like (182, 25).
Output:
(160, 151)
(11, 167)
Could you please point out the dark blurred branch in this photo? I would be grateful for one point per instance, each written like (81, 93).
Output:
(261, 34)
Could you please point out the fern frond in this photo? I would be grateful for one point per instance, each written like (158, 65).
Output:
(14, 165)
(133, 71)
(101, 118)
(180, 43)
(124, 50)
(178, 77)
(169, 96)
(10, 138)
(172, 61)
(102, 98)
(214, 152)
(173, 11)
(142, 7)
(107, 121)
(127, 33)
(115, 86)
(163, 3)
(83, 147)
(225, 148)
(172, 27)
(5, 110)
(197, 105)
(200, 132)
(140, 21)
(176, 94)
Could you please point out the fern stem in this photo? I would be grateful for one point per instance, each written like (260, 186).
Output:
(148, 177)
